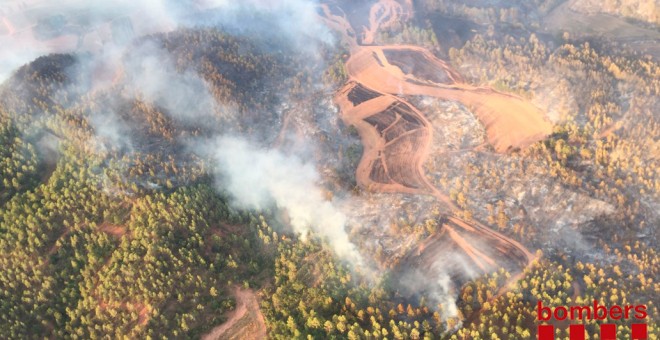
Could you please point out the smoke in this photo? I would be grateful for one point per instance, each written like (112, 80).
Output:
(29, 29)
(438, 278)
(444, 297)
(258, 178)
(105, 31)
(110, 131)
(183, 95)
(102, 34)
(289, 21)
(436, 284)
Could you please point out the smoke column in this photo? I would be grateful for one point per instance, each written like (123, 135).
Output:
(258, 178)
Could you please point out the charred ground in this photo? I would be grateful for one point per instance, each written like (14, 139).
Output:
(479, 179)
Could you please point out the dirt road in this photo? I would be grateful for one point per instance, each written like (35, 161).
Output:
(397, 136)
(245, 321)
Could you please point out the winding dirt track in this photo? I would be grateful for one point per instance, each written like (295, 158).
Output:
(246, 303)
(510, 121)
(396, 136)
(383, 14)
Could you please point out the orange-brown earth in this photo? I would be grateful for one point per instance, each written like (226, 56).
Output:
(384, 14)
(510, 121)
(396, 137)
(244, 322)
(463, 251)
(114, 230)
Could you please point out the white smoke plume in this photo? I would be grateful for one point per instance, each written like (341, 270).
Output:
(184, 95)
(445, 297)
(258, 177)
(104, 31)
(255, 177)
(32, 28)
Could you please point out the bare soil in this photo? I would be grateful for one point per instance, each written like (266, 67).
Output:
(114, 230)
(244, 322)
(397, 136)
(510, 121)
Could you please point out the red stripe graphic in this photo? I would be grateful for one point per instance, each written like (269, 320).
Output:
(607, 332)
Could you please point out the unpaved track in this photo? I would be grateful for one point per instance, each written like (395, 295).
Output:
(408, 161)
(246, 301)
(390, 165)
(510, 121)
(471, 245)
(396, 136)
(383, 14)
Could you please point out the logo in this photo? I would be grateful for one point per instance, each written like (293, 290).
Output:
(578, 314)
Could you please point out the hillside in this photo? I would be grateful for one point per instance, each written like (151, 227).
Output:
(364, 170)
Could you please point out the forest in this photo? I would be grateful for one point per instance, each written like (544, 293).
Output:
(123, 232)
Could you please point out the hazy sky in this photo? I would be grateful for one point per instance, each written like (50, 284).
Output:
(81, 25)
